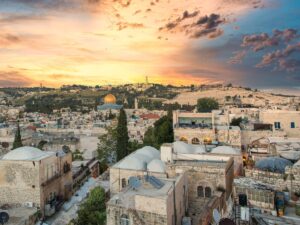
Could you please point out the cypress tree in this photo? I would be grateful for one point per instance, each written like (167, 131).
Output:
(18, 139)
(122, 136)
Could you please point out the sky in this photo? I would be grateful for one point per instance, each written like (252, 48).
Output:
(252, 43)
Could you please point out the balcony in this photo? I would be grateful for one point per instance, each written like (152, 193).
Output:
(193, 126)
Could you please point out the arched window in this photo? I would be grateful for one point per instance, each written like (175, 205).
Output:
(124, 220)
(183, 139)
(123, 182)
(200, 191)
(207, 192)
(195, 141)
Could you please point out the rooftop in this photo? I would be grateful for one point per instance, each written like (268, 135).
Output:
(27, 154)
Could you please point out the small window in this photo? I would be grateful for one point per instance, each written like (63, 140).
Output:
(195, 141)
(277, 125)
(293, 125)
(200, 191)
(123, 182)
(124, 220)
(207, 192)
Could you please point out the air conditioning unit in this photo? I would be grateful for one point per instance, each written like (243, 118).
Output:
(29, 204)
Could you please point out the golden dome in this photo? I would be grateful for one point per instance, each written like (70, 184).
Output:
(110, 99)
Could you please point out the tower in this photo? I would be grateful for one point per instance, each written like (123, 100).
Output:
(136, 103)
(147, 82)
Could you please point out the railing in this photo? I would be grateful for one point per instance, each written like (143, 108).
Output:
(193, 126)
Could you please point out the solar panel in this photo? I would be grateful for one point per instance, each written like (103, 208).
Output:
(134, 182)
(155, 182)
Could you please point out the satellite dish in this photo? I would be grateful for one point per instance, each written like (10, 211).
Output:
(4, 217)
(216, 216)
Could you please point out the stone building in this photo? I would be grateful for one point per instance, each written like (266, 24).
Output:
(287, 121)
(35, 178)
(208, 176)
(205, 128)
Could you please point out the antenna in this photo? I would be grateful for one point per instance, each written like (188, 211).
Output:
(4, 217)
(216, 216)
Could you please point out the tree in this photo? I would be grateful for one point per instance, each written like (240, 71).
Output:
(162, 132)
(41, 144)
(236, 121)
(107, 148)
(122, 136)
(18, 139)
(93, 211)
(207, 105)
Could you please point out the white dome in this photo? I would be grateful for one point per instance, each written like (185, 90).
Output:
(25, 153)
(134, 162)
(149, 152)
(156, 165)
(224, 150)
(183, 148)
(199, 149)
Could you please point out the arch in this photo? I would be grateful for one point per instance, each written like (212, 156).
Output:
(207, 141)
(124, 220)
(123, 182)
(184, 139)
(200, 191)
(207, 192)
(195, 141)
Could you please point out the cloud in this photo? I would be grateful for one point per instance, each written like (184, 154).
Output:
(14, 79)
(259, 42)
(124, 25)
(238, 57)
(8, 39)
(280, 58)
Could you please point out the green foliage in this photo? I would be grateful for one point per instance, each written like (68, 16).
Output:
(2, 119)
(162, 132)
(77, 155)
(18, 139)
(207, 105)
(133, 146)
(93, 211)
(122, 136)
(107, 148)
(236, 121)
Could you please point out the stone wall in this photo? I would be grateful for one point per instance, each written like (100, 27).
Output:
(19, 182)
(114, 214)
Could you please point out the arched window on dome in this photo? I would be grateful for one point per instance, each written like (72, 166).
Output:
(195, 141)
(207, 192)
(183, 139)
(124, 220)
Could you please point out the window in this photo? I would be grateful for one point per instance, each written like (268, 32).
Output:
(207, 192)
(183, 139)
(124, 220)
(277, 125)
(195, 141)
(123, 182)
(200, 191)
(293, 125)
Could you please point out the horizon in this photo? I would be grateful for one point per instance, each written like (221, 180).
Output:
(252, 43)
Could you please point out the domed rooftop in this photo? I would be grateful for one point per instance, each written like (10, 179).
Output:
(110, 99)
(26, 153)
(139, 159)
(225, 150)
(157, 166)
(273, 164)
(134, 162)
(183, 148)
(149, 152)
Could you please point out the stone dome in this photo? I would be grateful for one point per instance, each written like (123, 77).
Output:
(183, 148)
(25, 153)
(110, 99)
(149, 152)
(134, 162)
(157, 166)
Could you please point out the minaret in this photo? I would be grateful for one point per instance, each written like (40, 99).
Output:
(147, 82)
(136, 103)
